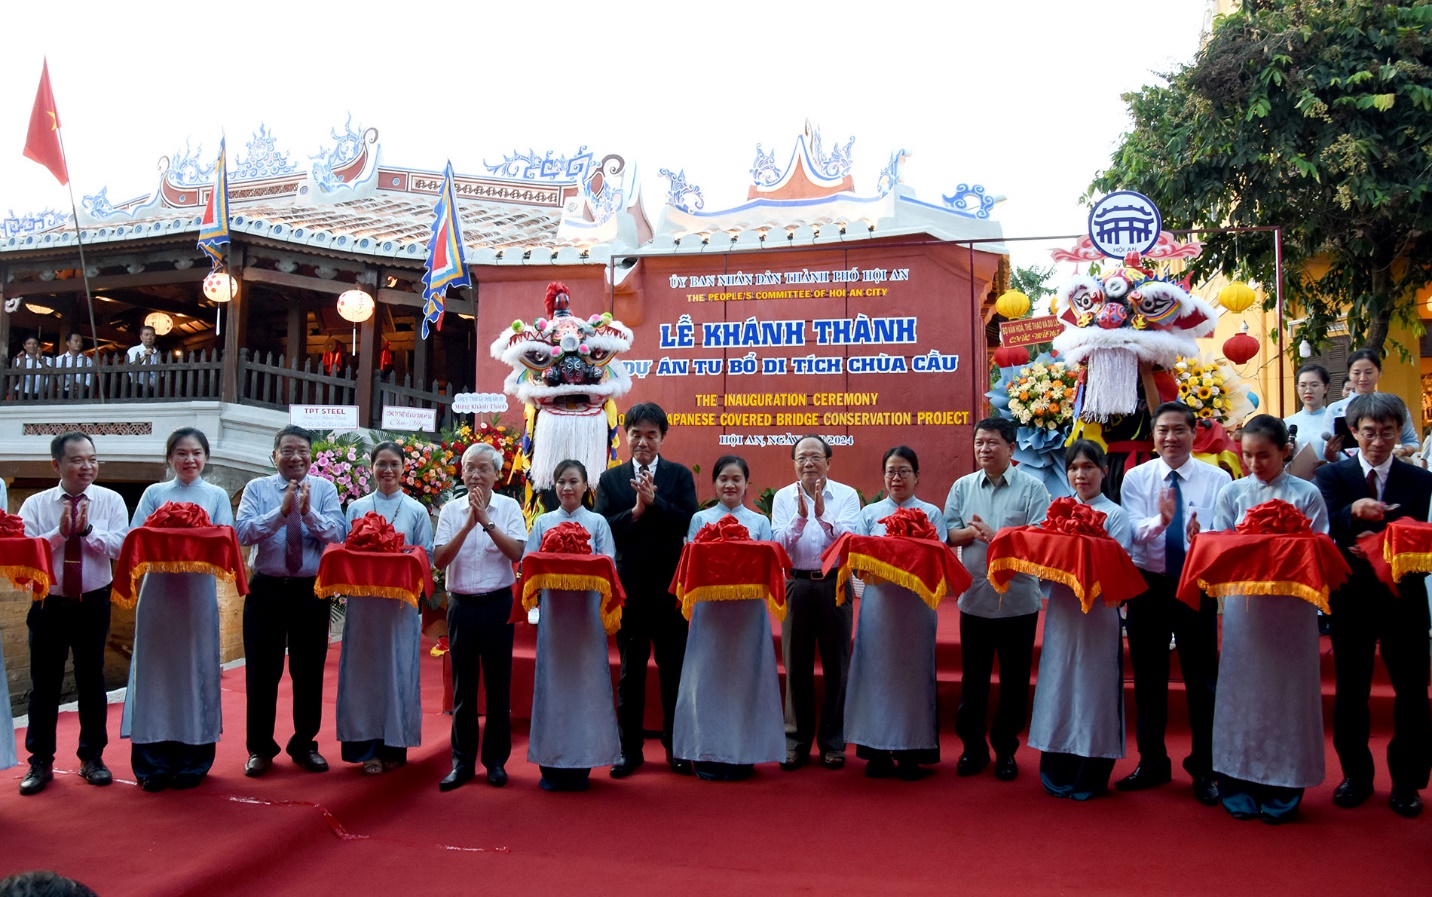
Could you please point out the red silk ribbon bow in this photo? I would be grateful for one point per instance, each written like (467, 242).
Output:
(1073, 517)
(11, 525)
(178, 515)
(567, 538)
(727, 529)
(372, 533)
(1274, 518)
(909, 522)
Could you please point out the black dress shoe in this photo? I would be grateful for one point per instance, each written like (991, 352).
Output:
(95, 772)
(460, 776)
(155, 783)
(37, 778)
(626, 766)
(795, 760)
(257, 765)
(1205, 790)
(1144, 776)
(185, 781)
(682, 767)
(312, 761)
(911, 772)
(497, 776)
(880, 767)
(1005, 769)
(971, 764)
(1405, 802)
(1351, 793)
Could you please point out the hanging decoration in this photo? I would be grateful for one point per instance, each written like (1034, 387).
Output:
(161, 322)
(355, 306)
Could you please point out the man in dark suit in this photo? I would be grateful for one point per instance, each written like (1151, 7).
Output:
(648, 502)
(1362, 494)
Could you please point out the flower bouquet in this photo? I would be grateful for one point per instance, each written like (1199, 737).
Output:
(343, 460)
(1213, 391)
(1039, 398)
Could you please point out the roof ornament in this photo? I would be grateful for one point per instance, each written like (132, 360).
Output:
(97, 205)
(32, 223)
(834, 166)
(972, 200)
(679, 190)
(531, 167)
(187, 171)
(348, 147)
(890, 174)
(262, 158)
(764, 171)
(603, 190)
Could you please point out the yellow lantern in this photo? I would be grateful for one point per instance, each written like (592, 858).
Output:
(161, 322)
(219, 286)
(1012, 304)
(355, 306)
(1237, 297)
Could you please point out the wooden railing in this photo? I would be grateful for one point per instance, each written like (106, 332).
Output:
(270, 383)
(113, 378)
(439, 396)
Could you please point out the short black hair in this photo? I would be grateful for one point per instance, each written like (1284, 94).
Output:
(43, 883)
(821, 439)
(57, 445)
(293, 430)
(147, 327)
(570, 464)
(1005, 428)
(387, 445)
(1313, 367)
(1086, 448)
(74, 333)
(1371, 355)
(1178, 408)
(726, 461)
(645, 412)
(901, 451)
(186, 433)
(1267, 426)
(1376, 406)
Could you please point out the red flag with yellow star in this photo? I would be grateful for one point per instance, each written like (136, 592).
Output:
(42, 144)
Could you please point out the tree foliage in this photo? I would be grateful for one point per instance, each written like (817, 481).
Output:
(1312, 115)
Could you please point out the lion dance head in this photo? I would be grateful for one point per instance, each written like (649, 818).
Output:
(565, 370)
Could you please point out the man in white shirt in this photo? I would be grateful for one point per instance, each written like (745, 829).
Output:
(30, 387)
(85, 525)
(478, 538)
(74, 386)
(144, 353)
(1168, 499)
(806, 518)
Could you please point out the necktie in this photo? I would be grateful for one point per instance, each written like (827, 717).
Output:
(293, 545)
(74, 551)
(644, 470)
(1173, 536)
(1372, 485)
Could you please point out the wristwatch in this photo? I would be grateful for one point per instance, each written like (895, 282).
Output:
(489, 526)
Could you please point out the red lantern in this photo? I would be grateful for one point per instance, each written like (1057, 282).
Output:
(1011, 356)
(1240, 347)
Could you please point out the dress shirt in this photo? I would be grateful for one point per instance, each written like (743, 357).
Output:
(1381, 469)
(1312, 427)
(68, 361)
(805, 543)
(260, 523)
(42, 512)
(1409, 431)
(25, 361)
(756, 524)
(1143, 486)
(1014, 498)
(136, 355)
(480, 566)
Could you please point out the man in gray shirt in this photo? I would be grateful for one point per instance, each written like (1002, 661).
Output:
(979, 505)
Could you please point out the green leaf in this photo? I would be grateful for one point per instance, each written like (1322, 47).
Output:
(1383, 101)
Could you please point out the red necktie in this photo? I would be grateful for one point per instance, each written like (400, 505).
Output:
(293, 545)
(74, 552)
(1372, 485)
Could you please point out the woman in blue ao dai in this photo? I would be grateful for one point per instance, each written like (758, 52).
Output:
(1268, 714)
(379, 712)
(171, 708)
(728, 708)
(574, 722)
(890, 697)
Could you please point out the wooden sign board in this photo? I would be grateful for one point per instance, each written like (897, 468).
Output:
(1029, 331)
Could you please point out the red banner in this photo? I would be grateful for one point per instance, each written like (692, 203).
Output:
(1303, 565)
(1093, 567)
(730, 571)
(403, 576)
(210, 549)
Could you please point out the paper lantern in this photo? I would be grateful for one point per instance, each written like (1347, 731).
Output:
(1240, 347)
(1237, 297)
(220, 286)
(355, 306)
(1011, 356)
(1012, 304)
(161, 322)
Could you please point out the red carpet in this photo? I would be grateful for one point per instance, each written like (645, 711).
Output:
(811, 831)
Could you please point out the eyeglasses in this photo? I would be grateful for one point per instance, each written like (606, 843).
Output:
(801, 459)
(899, 473)
(1386, 435)
(294, 453)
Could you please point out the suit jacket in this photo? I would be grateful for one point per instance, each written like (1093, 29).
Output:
(649, 548)
(1344, 483)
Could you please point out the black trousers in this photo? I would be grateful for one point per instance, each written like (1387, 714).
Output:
(480, 646)
(1153, 618)
(173, 758)
(1364, 621)
(281, 612)
(651, 622)
(58, 627)
(981, 640)
(814, 623)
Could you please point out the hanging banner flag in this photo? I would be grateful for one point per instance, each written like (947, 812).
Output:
(445, 267)
(42, 143)
(214, 226)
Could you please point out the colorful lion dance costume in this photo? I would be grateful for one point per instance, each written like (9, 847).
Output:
(565, 370)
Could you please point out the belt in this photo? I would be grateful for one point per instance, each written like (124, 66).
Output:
(286, 580)
(495, 594)
(813, 575)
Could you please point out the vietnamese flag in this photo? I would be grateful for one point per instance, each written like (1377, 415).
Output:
(42, 144)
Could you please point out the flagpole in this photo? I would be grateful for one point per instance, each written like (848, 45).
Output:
(79, 242)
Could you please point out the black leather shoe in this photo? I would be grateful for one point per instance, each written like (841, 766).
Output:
(911, 772)
(795, 760)
(1144, 776)
(1405, 802)
(460, 776)
(880, 767)
(95, 772)
(155, 783)
(37, 778)
(184, 781)
(257, 765)
(1005, 769)
(1205, 789)
(626, 766)
(682, 767)
(971, 764)
(497, 776)
(312, 761)
(1351, 793)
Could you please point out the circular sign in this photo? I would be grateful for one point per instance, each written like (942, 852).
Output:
(1124, 222)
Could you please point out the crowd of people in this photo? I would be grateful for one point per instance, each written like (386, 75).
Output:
(1254, 707)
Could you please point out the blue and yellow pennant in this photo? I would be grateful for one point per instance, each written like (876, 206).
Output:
(445, 267)
(214, 226)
